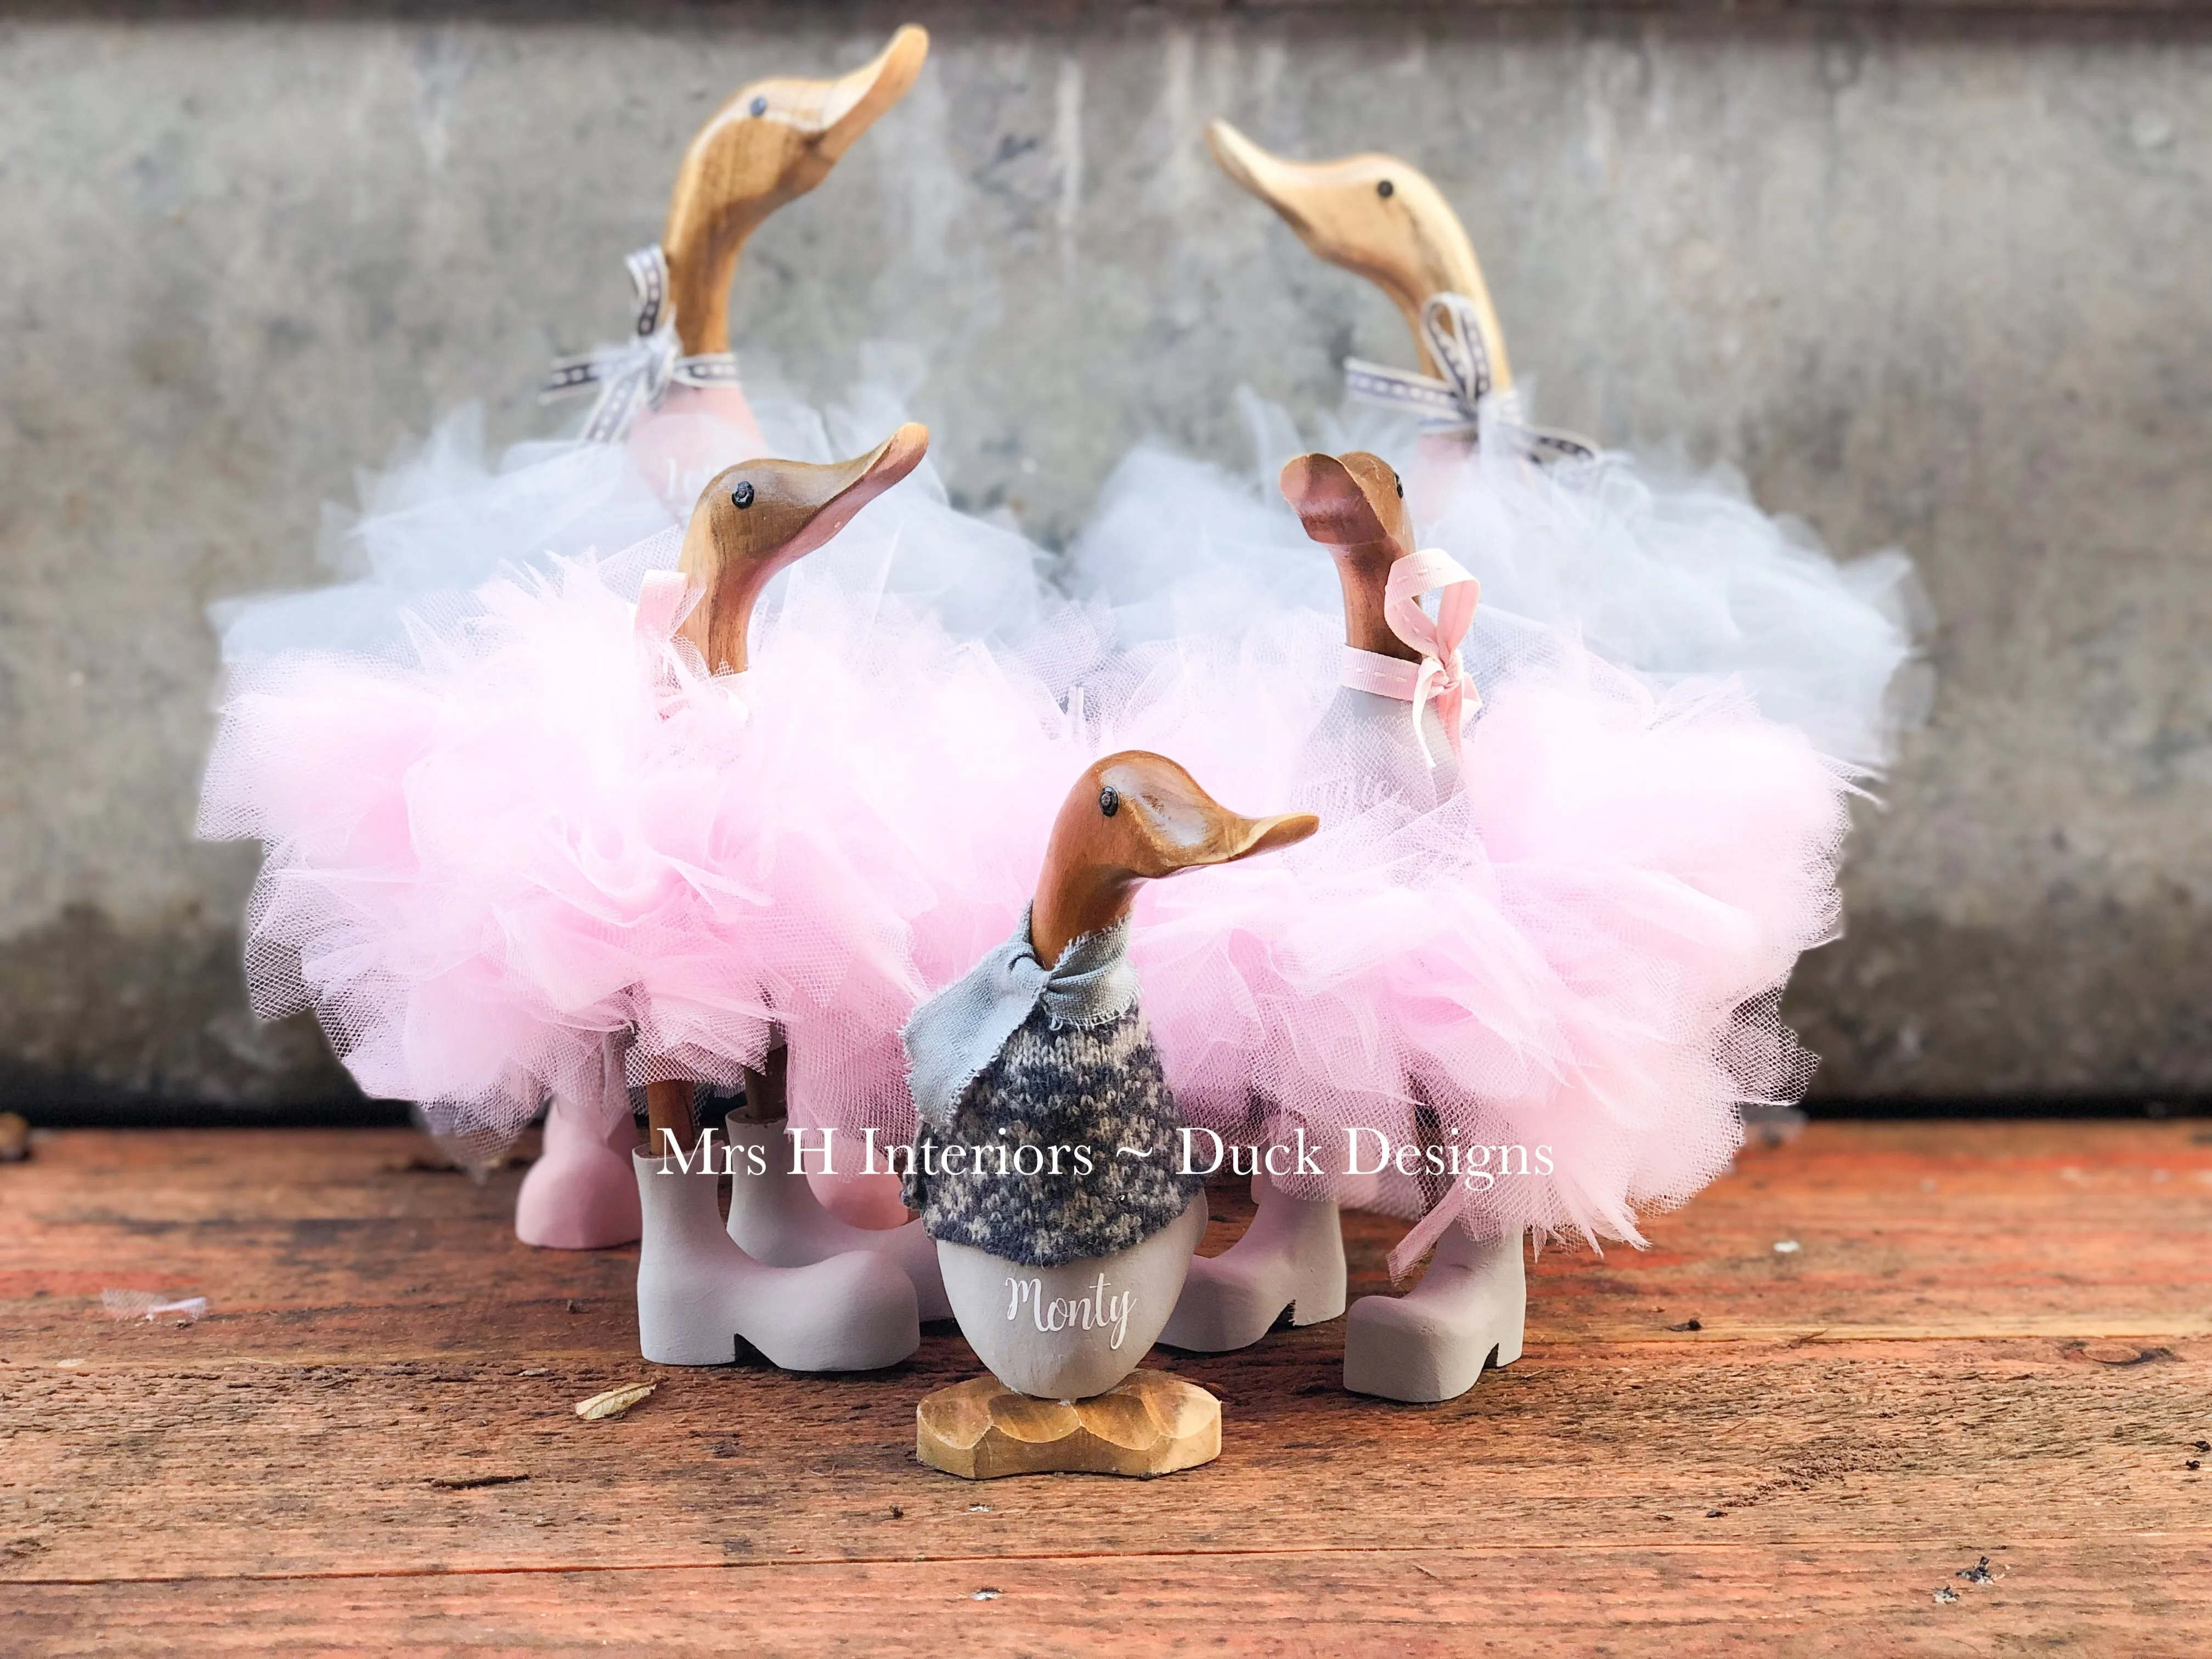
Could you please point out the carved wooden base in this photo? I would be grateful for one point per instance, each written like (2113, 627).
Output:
(1148, 1423)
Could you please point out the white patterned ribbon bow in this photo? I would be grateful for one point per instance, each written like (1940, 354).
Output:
(634, 377)
(1454, 404)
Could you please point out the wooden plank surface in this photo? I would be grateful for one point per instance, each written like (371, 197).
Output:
(1991, 1340)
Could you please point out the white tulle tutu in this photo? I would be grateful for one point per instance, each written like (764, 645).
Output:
(444, 518)
(1674, 579)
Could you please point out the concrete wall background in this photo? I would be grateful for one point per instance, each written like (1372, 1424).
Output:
(1938, 282)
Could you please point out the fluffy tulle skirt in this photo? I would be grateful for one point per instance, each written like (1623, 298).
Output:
(444, 518)
(544, 827)
(1674, 575)
(1577, 953)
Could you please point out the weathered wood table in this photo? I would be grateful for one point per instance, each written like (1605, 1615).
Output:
(1841, 1380)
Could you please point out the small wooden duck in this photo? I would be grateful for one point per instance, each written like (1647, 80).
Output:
(1047, 1164)
(1290, 1260)
(1432, 1343)
(770, 143)
(697, 1289)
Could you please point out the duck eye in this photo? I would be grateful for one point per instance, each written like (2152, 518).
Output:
(742, 495)
(1109, 800)
(1386, 189)
(760, 104)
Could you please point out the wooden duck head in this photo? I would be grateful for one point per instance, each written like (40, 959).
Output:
(1354, 505)
(1375, 215)
(758, 516)
(770, 144)
(1134, 818)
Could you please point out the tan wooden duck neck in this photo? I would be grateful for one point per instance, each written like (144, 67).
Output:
(768, 145)
(1130, 818)
(1354, 505)
(1379, 217)
(757, 517)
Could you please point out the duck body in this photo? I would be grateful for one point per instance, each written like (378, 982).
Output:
(1052, 1181)
(1048, 1162)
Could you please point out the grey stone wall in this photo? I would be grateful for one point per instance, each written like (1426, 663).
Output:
(1938, 282)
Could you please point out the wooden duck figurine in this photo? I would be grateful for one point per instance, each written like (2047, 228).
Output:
(698, 1292)
(772, 143)
(1290, 1260)
(1432, 1343)
(1047, 1164)
(732, 553)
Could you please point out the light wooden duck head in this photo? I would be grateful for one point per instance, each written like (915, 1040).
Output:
(1354, 505)
(1379, 217)
(770, 144)
(758, 516)
(1134, 818)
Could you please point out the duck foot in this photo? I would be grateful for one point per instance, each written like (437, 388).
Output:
(1432, 1344)
(1290, 1258)
(699, 1295)
(1148, 1423)
(580, 1195)
(776, 1219)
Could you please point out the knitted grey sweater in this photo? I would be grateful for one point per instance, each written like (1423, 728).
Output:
(1058, 1087)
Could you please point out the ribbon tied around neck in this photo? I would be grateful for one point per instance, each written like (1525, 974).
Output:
(956, 1034)
(1464, 398)
(635, 376)
(1440, 676)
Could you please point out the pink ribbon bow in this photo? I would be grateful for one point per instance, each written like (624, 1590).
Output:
(1439, 675)
(661, 602)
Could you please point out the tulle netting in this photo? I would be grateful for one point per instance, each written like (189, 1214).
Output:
(545, 828)
(1674, 575)
(1579, 947)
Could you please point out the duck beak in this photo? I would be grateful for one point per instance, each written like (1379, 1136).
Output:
(1284, 186)
(1330, 503)
(1249, 837)
(851, 103)
(834, 494)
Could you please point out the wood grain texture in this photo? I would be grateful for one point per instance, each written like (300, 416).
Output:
(1746, 8)
(755, 519)
(1148, 1423)
(1355, 506)
(1992, 1339)
(771, 143)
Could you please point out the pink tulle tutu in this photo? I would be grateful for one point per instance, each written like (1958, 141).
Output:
(1578, 947)
(552, 829)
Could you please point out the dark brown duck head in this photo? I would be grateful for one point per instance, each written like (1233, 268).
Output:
(1377, 216)
(768, 145)
(1354, 505)
(1134, 818)
(758, 516)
